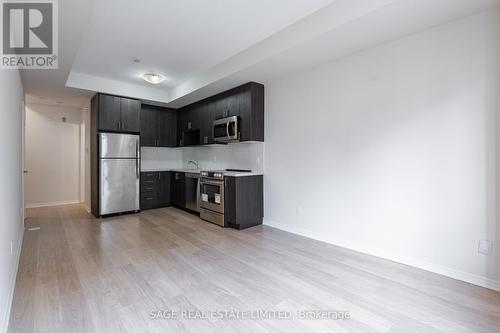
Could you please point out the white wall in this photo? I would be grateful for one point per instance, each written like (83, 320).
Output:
(391, 151)
(52, 155)
(11, 216)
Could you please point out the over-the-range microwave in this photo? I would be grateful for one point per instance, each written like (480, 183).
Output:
(226, 130)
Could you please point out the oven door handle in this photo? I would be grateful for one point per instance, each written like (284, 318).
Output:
(216, 183)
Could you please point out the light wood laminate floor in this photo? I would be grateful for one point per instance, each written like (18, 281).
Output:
(80, 274)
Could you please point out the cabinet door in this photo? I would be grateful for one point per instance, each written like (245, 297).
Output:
(190, 118)
(178, 193)
(109, 113)
(220, 108)
(230, 200)
(164, 189)
(149, 125)
(232, 105)
(189, 126)
(205, 125)
(185, 119)
(208, 121)
(167, 127)
(180, 120)
(227, 106)
(245, 114)
(195, 115)
(130, 109)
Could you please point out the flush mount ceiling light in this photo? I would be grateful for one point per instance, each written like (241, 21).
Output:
(153, 78)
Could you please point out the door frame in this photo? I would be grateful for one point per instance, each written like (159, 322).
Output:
(23, 159)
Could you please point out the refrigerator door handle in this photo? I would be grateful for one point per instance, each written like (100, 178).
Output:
(137, 159)
(137, 168)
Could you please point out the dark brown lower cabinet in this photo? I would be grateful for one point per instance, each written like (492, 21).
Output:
(164, 189)
(178, 189)
(155, 189)
(244, 201)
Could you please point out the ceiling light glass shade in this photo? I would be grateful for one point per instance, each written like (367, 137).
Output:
(153, 78)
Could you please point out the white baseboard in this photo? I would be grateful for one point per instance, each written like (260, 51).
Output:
(478, 280)
(6, 316)
(54, 203)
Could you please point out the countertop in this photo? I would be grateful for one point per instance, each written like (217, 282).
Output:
(226, 173)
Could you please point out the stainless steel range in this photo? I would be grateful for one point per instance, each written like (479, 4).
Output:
(212, 197)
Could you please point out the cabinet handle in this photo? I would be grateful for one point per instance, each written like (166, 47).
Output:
(159, 175)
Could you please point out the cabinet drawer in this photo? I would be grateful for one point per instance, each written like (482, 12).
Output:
(149, 200)
(149, 178)
(149, 187)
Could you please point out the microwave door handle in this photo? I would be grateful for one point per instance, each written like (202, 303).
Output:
(227, 130)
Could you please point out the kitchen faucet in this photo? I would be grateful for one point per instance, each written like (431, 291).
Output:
(195, 163)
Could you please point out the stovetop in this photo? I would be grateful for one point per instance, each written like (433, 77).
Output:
(219, 174)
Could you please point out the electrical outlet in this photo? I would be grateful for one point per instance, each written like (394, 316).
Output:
(485, 247)
(298, 210)
(11, 247)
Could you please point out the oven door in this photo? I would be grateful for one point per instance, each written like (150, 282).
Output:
(212, 195)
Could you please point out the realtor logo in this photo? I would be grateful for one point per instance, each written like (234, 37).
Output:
(29, 35)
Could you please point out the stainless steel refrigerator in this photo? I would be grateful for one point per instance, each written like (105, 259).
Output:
(120, 169)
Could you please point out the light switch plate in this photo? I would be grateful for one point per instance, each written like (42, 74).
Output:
(298, 210)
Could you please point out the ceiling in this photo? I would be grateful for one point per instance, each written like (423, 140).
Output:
(204, 47)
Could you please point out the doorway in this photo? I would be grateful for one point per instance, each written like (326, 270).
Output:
(52, 155)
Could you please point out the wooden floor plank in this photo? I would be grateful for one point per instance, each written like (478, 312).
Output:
(81, 274)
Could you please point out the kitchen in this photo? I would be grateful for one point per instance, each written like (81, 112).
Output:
(125, 130)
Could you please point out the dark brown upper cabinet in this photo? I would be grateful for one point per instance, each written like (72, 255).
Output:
(149, 126)
(189, 125)
(158, 126)
(245, 102)
(117, 114)
(167, 127)
(207, 116)
(130, 111)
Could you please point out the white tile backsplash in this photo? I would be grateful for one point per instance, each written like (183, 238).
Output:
(161, 158)
(244, 155)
